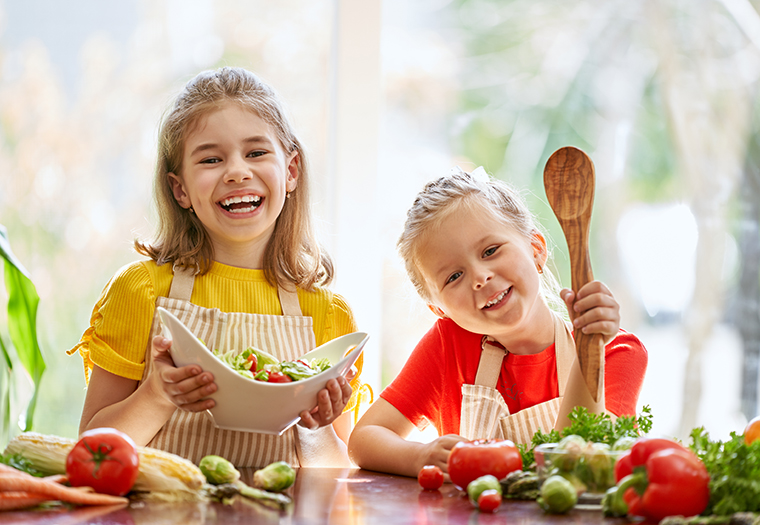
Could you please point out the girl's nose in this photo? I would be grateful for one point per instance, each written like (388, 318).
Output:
(237, 170)
(481, 277)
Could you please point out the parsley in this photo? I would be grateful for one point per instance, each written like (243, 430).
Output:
(598, 428)
(734, 469)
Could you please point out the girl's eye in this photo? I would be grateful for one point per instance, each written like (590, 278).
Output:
(453, 277)
(257, 153)
(210, 160)
(490, 251)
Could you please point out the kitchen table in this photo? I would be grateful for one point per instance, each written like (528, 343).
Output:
(321, 495)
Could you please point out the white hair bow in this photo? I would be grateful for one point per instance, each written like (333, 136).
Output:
(479, 173)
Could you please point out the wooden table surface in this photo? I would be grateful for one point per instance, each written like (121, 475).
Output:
(341, 496)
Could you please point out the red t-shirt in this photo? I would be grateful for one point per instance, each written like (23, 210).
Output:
(429, 387)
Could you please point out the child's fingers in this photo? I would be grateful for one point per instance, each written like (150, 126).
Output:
(593, 302)
(593, 287)
(308, 421)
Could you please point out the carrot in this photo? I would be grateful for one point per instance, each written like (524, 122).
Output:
(12, 500)
(54, 491)
(56, 478)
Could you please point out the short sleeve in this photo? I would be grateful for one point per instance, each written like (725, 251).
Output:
(417, 390)
(120, 324)
(625, 366)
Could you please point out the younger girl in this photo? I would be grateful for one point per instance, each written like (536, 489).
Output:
(235, 259)
(498, 361)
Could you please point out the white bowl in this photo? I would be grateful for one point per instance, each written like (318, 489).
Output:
(256, 406)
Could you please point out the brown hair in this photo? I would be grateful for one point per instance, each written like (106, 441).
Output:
(293, 255)
(445, 195)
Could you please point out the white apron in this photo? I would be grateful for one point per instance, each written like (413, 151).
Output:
(485, 414)
(193, 435)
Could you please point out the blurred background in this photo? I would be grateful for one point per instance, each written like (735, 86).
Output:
(662, 94)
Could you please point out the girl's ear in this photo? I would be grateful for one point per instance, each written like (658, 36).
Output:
(437, 311)
(178, 189)
(292, 180)
(540, 254)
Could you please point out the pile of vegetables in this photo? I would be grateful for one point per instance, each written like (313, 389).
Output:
(262, 366)
(105, 467)
(269, 482)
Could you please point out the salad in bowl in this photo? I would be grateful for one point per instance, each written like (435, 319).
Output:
(250, 404)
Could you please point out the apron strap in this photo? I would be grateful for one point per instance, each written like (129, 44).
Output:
(564, 350)
(182, 283)
(289, 302)
(184, 279)
(489, 367)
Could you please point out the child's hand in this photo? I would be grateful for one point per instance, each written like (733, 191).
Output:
(331, 401)
(437, 453)
(594, 310)
(186, 387)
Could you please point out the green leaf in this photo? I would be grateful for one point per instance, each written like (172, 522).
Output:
(22, 321)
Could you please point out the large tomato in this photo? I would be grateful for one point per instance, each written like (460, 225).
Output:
(104, 459)
(469, 460)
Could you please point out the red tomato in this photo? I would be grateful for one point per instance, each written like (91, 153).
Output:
(254, 363)
(469, 460)
(104, 459)
(279, 377)
(430, 477)
(489, 500)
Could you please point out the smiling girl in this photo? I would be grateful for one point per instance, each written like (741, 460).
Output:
(235, 259)
(499, 363)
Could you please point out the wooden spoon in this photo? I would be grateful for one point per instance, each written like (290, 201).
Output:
(569, 184)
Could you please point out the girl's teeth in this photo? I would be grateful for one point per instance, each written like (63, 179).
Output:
(244, 198)
(496, 300)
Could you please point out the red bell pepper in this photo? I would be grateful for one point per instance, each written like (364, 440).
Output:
(666, 479)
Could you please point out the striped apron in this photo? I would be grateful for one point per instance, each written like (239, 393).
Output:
(485, 414)
(193, 435)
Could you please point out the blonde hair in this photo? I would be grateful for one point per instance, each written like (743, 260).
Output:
(292, 255)
(446, 195)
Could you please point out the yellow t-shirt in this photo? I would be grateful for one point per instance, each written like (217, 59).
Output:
(121, 320)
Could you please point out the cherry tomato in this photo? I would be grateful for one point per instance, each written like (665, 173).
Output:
(430, 477)
(104, 459)
(279, 377)
(469, 460)
(752, 431)
(489, 500)
(254, 362)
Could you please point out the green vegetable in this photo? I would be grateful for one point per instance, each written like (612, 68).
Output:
(321, 364)
(734, 469)
(218, 470)
(225, 492)
(568, 452)
(276, 477)
(520, 484)
(483, 483)
(262, 358)
(613, 504)
(238, 362)
(21, 463)
(624, 443)
(557, 495)
(598, 428)
(597, 467)
(297, 371)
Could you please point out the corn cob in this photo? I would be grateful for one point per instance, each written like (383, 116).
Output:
(160, 471)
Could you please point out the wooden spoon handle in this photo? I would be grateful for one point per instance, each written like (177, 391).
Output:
(569, 182)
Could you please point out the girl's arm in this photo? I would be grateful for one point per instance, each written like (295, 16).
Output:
(140, 411)
(378, 443)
